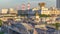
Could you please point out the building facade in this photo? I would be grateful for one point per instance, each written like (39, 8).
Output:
(4, 11)
(58, 4)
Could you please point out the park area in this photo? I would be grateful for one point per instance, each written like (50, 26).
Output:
(1, 33)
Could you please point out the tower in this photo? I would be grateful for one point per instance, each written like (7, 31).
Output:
(41, 5)
(37, 15)
(37, 18)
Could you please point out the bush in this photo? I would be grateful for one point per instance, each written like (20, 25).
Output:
(43, 15)
(1, 33)
(57, 25)
(0, 23)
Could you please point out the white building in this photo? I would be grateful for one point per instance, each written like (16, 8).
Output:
(12, 11)
(45, 11)
(54, 10)
(50, 11)
(4, 11)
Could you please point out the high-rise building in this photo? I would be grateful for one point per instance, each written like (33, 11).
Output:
(58, 4)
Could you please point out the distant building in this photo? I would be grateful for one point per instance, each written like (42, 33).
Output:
(4, 11)
(36, 8)
(37, 15)
(54, 11)
(37, 18)
(45, 11)
(42, 4)
(12, 11)
(50, 11)
(58, 4)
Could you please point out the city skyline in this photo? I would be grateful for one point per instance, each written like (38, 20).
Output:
(18, 3)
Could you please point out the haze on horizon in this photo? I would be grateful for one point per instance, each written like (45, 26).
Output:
(34, 3)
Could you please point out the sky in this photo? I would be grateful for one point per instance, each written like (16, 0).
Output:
(16, 3)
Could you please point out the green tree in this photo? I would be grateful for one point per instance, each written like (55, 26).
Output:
(43, 15)
(1, 32)
(57, 26)
(0, 23)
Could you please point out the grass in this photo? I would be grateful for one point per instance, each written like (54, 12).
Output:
(1, 33)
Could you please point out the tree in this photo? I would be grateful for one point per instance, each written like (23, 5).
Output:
(57, 26)
(0, 23)
(43, 15)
